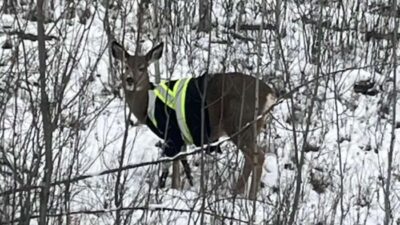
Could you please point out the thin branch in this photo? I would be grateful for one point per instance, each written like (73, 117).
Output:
(103, 211)
(46, 116)
(388, 214)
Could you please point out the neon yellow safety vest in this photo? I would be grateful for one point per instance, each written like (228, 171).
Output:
(174, 99)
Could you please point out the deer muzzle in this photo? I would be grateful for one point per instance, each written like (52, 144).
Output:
(129, 81)
(130, 84)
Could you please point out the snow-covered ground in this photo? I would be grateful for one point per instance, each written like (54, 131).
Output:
(350, 131)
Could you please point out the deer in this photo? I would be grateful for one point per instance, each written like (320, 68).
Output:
(238, 106)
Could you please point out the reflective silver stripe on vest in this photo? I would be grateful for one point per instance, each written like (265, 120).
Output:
(165, 95)
(151, 107)
(175, 99)
(181, 110)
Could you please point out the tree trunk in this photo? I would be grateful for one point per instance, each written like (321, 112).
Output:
(46, 116)
(204, 16)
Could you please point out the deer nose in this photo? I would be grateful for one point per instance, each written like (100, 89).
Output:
(129, 80)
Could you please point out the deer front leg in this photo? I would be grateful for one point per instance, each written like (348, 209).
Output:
(188, 171)
(176, 183)
(164, 175)
(176, 178)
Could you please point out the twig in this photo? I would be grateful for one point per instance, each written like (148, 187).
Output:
(103, 211)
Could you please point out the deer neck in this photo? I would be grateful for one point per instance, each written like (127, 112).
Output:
(137, 103)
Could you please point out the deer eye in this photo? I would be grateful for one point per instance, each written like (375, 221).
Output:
(142, 68)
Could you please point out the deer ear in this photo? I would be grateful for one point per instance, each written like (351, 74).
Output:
(155, 53)
(118, 51)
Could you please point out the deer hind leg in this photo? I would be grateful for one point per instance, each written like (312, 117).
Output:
(258, 162)
(241, 182)
(176, 174)
(254, 160)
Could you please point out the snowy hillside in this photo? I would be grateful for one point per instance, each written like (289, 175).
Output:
(329, 140)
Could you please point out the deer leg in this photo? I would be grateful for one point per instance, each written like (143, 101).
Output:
(163, 178)
(244, 143)
(258, 162)
(254, 159)
(241, 182)
(188, 171)
(164, 174)
(176, 178)
(175, 174)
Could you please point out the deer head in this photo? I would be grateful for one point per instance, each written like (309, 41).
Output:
(136, 77)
